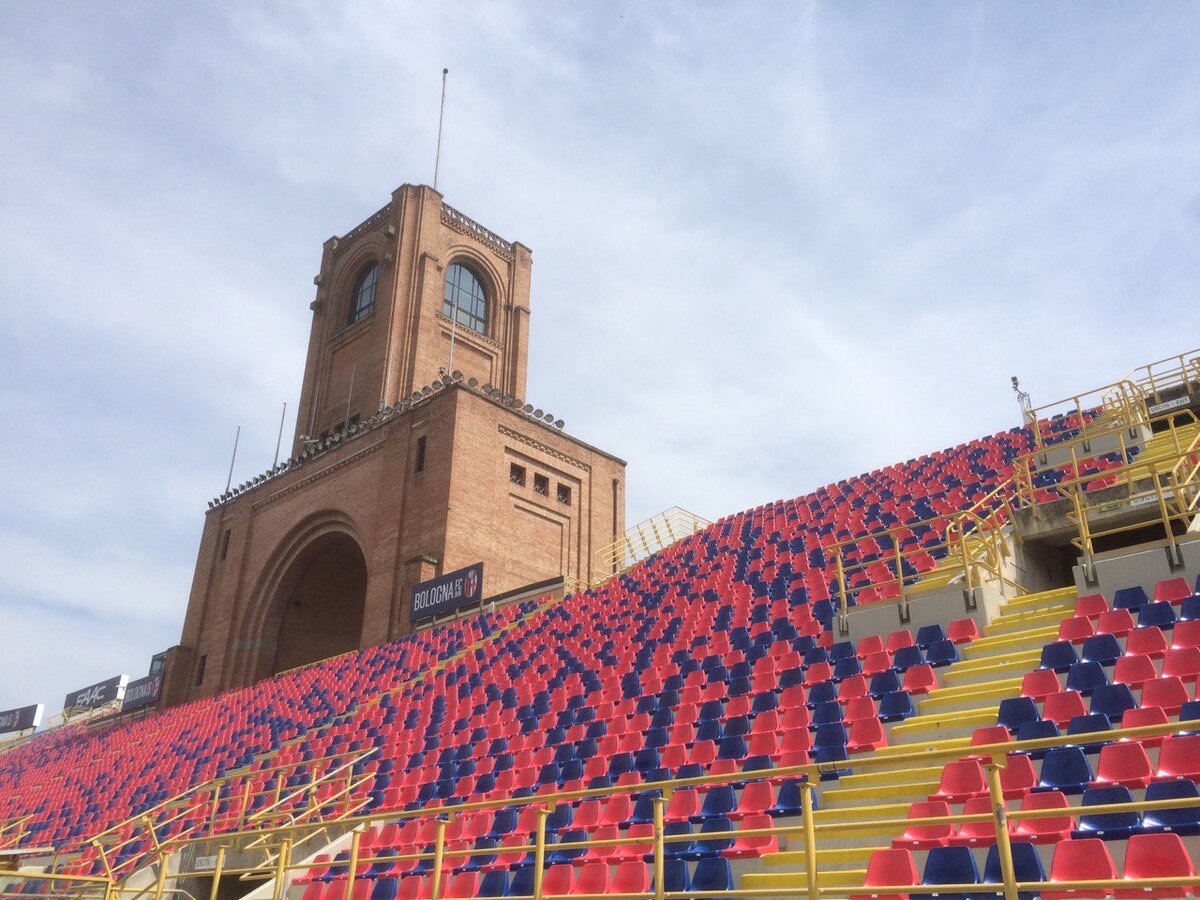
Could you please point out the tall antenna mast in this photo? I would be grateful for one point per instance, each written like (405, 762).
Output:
(437, 162)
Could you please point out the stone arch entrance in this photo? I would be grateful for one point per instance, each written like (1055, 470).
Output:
(319, 602)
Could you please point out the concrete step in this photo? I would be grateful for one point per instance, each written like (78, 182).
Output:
(1045, 599)
(990, 668)
(1025, 620)
(967, 697)
(945, 724)
(1028, 639)
(827, 860)
(899, 775)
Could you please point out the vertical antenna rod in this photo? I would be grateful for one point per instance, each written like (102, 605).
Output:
(437, 162)
(279, 440)
(442, 115)
(229, 480)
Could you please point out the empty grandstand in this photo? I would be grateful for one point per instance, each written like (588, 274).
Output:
(972, 673)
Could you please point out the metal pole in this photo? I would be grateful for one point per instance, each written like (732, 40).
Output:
(236, 436)
(355, 842)
(810, 840)
(439, 849)
(659, 849)
(216, 876)
(349, 397)
(279, 440)
(281, 868)
(161, 881)
(539, 853)
(1000, 815)
(437, 161)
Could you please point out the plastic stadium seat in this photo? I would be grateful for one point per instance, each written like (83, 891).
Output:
(1076, 629)
(941, 653)
(1142, 717)
(1065, 769)
(1040, 683)
(961, 780)
(920, 680)
(1148, 641)
(962, 631)
(1018, 776)
(1085, 859)
(1179, 757)
(1185, 820)
(1063, 706)
(1016, 711)
(1159, 614)
(1116, 622)
(1034, 731)
(1124, 763)
(675, 876)
(1108, 826)
(1156, 856)
(1091, 606)
(494, 883)
(463, 885)
(896, 706)
(1134, 670)
(907, 657)
(592, 879)
(950, 865)
(888, 867)
(1085, 677)
(1027, 866)
(929, 634)
(1169, 693)
(559, 879)
(972, 834)
(788, 802)
(752, 846)
(867, 734)
(1182, 663)
(1130, 598)
(1174, 590)
(1058, 656)
(631, 877)
(711, 874)
(1112, 700)
(922, 837)
(1101, 648)
(1189, 609)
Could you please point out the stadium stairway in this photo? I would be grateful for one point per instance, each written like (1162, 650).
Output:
(990, 669)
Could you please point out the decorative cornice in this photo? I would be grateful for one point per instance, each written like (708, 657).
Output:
(469, 334)
(315, 476)
(543, 448)
(374, 219)
(452, 218)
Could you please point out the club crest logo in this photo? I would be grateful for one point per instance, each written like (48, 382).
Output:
(471, 585)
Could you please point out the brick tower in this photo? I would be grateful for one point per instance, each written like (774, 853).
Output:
(415, 454)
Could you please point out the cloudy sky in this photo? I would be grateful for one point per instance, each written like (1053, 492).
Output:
(774, 245)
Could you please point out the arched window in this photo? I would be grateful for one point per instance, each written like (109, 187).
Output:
(362, 300)
(465, 301)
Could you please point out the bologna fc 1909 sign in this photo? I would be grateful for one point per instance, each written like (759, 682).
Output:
(446, 593)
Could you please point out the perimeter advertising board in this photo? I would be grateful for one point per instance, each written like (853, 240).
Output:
(95, 695)
(21, 719)
(446, 593)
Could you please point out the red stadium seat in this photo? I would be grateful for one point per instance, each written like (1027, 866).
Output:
(1080, 860)
(890, 867)
(1156, 856)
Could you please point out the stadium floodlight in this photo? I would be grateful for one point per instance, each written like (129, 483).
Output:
(472, 382)
(487, 388)
(559, 424)
(456, 375)
(527, 408)
(426, 391)
(549, 418)
(537, 413)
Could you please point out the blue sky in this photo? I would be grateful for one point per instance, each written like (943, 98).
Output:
(775, 245)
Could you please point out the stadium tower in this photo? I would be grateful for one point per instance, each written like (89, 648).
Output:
(415, 454)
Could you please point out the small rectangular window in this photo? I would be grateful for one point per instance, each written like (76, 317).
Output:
(564, 494)
(516, 474)
(420, 464)
(203, 664)
(541, 485)
(225, 545)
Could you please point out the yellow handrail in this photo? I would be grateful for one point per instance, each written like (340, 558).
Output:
(643, 540)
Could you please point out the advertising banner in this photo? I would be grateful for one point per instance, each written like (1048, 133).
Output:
(21, 719)
(97, 694)
(142, 692)
(446, 593)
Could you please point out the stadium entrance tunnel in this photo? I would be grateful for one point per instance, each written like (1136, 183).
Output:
(320, 602)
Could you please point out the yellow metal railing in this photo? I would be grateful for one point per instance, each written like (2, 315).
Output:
(41, 885)
(1176, 375)
(199, 810)
(14, 831)
(993, 758)
(1120, 405)
(644, 540)
(971, 551)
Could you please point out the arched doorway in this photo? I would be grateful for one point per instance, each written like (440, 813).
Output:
(321, 600)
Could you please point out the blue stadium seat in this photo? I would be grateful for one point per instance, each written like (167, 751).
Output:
(929, 634)
(1085, 677)
(1184, 821)
(1016, 711)
(711, 874)
(1059, 656)
(1113, 700)
(1160, 615)
(882, 683)
(675, 875)
(907, 657)
(1065, 769)
(1101, 648)
(1089, 724)
(1027, 866)
(1108, 826)
(1130, 598)
(895, 706)
(950, 865)
(705, 848)
(1032, 731)
(941, 653)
